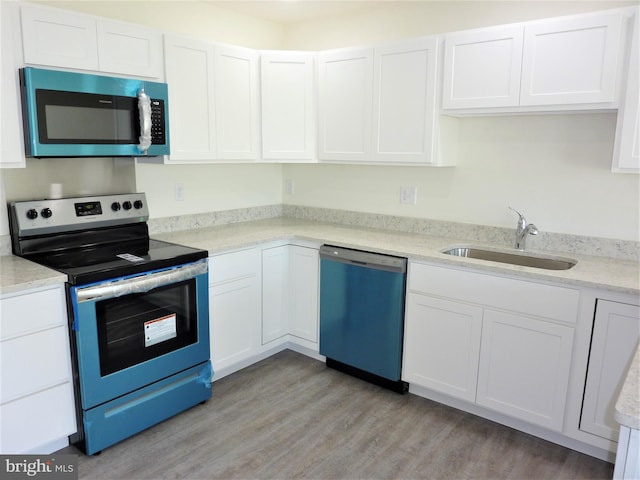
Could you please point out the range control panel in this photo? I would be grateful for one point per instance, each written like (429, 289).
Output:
(37, 217)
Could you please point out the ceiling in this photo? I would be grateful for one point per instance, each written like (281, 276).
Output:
(293, 11)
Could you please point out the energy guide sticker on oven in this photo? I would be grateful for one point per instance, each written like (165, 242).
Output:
(159, 330)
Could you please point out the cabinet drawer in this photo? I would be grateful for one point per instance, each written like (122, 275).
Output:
(28, 424)
(232, 266)
(557, 303)
(30, 312)
(33, 362)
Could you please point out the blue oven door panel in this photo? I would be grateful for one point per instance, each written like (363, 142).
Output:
(118, 419)
(97, 389)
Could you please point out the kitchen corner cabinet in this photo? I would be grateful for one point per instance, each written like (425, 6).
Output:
(290, 294)
(288, 106)
(616, 331)
(35, 366)
(501, 343)
(11, 138)
(564, 61)
(626, 152)
(378, 105)
(59, 38)
(234, 308)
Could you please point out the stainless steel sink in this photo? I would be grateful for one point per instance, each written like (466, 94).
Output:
(513, 258)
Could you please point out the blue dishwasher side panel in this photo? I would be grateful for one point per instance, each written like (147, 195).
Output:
(361, 317)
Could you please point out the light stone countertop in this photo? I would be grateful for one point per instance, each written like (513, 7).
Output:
(628, 404)
(596, 272)
(17, 274)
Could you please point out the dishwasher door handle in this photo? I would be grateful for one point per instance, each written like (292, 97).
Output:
(364, 259)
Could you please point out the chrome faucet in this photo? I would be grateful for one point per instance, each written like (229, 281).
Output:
(522, 230)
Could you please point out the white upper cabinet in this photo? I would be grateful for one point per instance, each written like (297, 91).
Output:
(626, 153)
(345, 91)
(11, 139)
(129, 49)
(189, 75)
(213, 94)
(404, 85)
(569, 61)
(236, 103)
(59, 38)
(482, 68)
(378, 105)
(288, 110)
(66, 39)
(557, 64)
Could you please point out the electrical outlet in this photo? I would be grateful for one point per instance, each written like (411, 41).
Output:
(179, 192)
(409, 195)
(289, 187)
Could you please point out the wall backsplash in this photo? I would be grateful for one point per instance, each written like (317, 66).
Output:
(498, 236)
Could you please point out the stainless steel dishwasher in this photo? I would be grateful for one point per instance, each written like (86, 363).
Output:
(362, 314)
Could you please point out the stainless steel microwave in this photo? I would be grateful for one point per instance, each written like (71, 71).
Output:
(68, 114)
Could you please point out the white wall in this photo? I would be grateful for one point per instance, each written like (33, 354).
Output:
(554, 168)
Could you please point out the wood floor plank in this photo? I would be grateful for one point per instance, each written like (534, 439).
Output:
(291, 417)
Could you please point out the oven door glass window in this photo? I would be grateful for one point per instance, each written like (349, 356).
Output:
(138, 327)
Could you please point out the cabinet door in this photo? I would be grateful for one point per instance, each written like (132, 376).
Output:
(345, 92)
(235, 321)
(236, 103)
(11, 139)
(189, 74)
(275, 293)
(287, 106)
(482, 68)
(404, 102)
(626, 153)
(569, 61)
(59, 38)
(303, 292)
(129, 49)
(524, 368)
(616, 330)
(28, 424)
(442, 345)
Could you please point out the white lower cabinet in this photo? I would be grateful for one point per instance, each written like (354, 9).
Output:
(500, 343)
(442, 345)
(290, 293)
(35, 373)
(524, 367)
(616, 331)
(261, 299)
(234, 308)
(275, 293)
(628, 455)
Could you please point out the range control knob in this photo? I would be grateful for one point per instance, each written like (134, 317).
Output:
(137, 204)
(115, 206)
(46, 212)
(32, 214)
(126, 205)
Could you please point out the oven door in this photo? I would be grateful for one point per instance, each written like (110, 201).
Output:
(134, 331)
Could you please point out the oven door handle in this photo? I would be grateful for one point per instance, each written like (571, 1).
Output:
(140, 284)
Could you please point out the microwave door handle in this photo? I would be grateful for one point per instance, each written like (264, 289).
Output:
(144, 107)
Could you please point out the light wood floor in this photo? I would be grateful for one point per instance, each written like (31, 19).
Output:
(291, 417)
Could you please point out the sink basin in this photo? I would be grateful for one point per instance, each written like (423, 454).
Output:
(513, 258)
